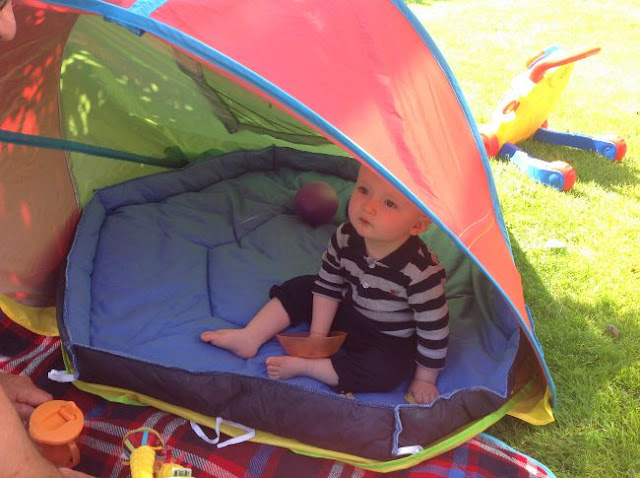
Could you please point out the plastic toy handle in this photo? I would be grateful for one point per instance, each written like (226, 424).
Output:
(539, 69)
(67, 455)
(142, 461)
(557, 174)
(74, 455)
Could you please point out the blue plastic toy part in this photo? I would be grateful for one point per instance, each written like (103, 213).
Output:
(603, 147)
(557, 174)
(542, 55)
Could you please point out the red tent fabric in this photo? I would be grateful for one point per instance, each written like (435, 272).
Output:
(361, 73)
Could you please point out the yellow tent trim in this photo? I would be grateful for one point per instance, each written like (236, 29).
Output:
(453, 440)
(40, 320)
(535, 408)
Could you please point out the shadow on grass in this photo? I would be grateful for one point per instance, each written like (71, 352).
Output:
(589, 366)
(589, 166)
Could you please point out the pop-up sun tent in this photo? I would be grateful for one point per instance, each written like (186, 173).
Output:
(172, 136)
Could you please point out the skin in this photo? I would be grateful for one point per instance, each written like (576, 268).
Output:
(18, 395)
(23, 394)
(385, 219)
(18, 398)
(7, 23)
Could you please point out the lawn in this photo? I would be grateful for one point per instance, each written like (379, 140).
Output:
(578, 251)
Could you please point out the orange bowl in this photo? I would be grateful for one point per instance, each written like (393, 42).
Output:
(301, 344)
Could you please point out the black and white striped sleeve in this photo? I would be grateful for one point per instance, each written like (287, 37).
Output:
(426, 297)
(330, 281)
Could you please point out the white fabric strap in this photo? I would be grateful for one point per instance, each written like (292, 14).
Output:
(251, 432)
(409, 450)
(61, 376)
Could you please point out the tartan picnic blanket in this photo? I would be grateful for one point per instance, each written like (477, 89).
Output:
(106, 424)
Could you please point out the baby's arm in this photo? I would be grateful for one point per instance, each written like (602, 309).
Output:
(324, 311)
(431, 313)
(423, 387)
(329, 286)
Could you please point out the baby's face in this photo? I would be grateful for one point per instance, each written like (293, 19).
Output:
(7, 21)
(381, 213)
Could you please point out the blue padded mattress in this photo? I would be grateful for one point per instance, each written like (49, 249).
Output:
(158, 260)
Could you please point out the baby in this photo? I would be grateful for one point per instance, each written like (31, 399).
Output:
(380, 284)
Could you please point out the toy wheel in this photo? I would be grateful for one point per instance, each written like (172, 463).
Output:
(621, 149)
(567, 172)
(491, 144)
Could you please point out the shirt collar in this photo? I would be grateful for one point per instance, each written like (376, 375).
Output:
(403, 254)
(396, 260)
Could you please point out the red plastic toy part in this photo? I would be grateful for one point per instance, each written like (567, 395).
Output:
(621, 148)
(539, 69)
(567, 171)
(491, 143)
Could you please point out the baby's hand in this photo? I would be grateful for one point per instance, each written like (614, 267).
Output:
(423, 391)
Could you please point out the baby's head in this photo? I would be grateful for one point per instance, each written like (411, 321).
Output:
(381, 213)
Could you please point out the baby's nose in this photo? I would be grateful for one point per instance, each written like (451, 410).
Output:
(370, 206)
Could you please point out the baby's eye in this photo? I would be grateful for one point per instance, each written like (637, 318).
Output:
(363, 190)
(390, 204)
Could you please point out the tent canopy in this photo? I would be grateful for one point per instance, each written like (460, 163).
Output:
(132, 87)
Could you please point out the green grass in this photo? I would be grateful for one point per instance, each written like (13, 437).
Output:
(576, 291)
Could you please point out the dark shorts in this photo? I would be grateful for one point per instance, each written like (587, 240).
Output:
(369, 360)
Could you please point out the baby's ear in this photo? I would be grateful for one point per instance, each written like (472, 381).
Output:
(421, 225)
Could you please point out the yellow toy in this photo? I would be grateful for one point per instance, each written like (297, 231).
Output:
(523, 114)
(142, 457)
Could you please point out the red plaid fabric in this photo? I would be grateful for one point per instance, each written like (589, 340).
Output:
(106, 423)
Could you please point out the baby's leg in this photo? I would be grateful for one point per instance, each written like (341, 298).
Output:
(245, 342)
(288, 367)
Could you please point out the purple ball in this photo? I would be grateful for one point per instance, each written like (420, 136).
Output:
(316, 203)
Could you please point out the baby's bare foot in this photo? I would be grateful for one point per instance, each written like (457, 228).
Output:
(237, 341)
(284, 367)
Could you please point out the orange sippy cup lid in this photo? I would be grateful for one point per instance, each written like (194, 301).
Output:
(56, 422)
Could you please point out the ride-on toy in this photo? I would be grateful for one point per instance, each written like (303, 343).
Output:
(523, 113)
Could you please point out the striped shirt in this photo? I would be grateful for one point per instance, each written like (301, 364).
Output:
(401, 294)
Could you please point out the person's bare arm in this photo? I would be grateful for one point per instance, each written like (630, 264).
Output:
(7, 21)
(324, 311)
(21, 458)
(22, 393)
